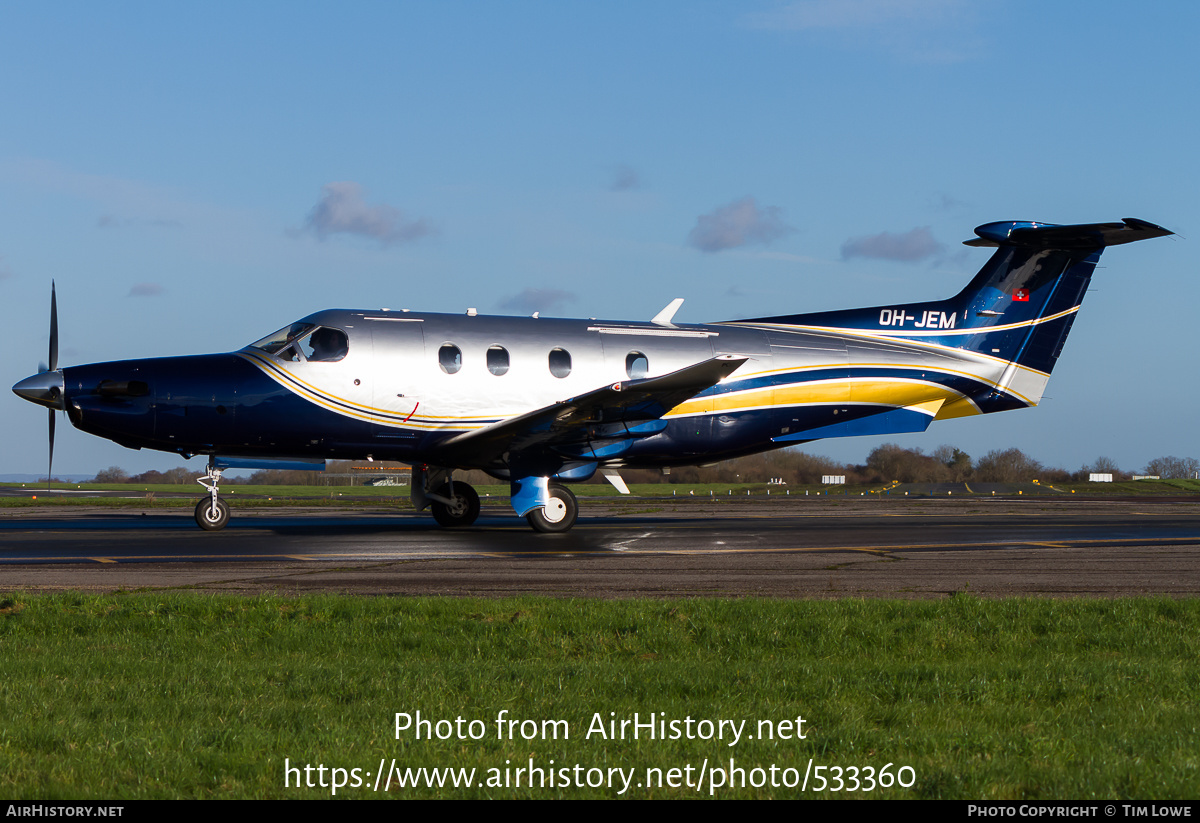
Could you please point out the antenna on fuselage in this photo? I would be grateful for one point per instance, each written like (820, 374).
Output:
(663, 318)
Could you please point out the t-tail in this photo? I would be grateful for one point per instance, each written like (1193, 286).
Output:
(1015, 313)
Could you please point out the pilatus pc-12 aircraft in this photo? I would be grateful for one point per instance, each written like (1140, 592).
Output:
(542, 402)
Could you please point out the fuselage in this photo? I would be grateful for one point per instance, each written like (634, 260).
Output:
(406, 382)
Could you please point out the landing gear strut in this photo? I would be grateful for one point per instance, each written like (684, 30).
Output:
(212, 513)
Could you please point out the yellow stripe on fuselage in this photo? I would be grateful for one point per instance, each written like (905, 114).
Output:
(898, 392)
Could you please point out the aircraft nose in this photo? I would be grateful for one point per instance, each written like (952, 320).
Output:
(45, 389)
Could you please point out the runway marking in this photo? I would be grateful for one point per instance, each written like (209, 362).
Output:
(1063, 544)
(620, 545)
(455, 554)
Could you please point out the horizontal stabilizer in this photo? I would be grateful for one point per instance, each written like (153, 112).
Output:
(1026, 234)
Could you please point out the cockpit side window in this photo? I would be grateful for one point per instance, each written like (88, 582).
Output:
(306, 341)
(325, 345)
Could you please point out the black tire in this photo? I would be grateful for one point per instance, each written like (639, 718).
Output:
(559, 516)
(465, 510)
(208, 519)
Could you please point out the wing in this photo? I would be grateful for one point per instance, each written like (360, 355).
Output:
(617, 411)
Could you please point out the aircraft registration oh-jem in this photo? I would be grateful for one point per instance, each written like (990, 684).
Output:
(543, 402)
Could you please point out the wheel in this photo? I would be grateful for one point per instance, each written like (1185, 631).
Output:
(464, 510)
(210, 518)
(559, 516)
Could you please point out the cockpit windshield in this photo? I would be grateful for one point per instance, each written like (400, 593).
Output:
(305, 342)
(274, 343)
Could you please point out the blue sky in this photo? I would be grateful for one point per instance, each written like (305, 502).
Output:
(196, 175)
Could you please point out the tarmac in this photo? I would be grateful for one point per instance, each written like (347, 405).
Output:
(662, 547)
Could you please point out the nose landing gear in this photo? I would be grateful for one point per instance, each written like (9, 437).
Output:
(212, 513)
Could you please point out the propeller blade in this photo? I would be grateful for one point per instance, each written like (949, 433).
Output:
(53, 330)
(50, 466)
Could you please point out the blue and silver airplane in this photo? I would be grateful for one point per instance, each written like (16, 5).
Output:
(543, 402)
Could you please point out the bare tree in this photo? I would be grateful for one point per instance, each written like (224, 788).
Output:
(956, 460)
(1173, 468)
(113, 474)
(1106, 465)
(1007, 466)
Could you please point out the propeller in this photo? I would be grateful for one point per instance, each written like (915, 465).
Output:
(47, 387)
(52, 366)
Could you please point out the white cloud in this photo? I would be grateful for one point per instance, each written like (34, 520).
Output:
(625, 178)
(740, 223)
(341, 209)
(539, 300)
(947, 202)
(843, 14)
(909, 247)
(939, 31)
(108, 221)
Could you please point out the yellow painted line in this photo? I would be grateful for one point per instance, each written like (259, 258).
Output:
(102, 559)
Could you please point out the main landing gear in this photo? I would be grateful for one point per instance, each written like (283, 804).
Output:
(456, 504)
(212, 513)
(452, 502)
(559, 515)
(548, 508)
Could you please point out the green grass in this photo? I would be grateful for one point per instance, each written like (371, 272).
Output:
(1135, 487)
(168, 495)
(180, 695)
(182, 495)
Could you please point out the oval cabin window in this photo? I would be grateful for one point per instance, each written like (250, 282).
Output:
(497, 360)
(450, 358)
(636, 365)
(560, 362)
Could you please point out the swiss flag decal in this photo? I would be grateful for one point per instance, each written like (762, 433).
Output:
(1021, 296)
